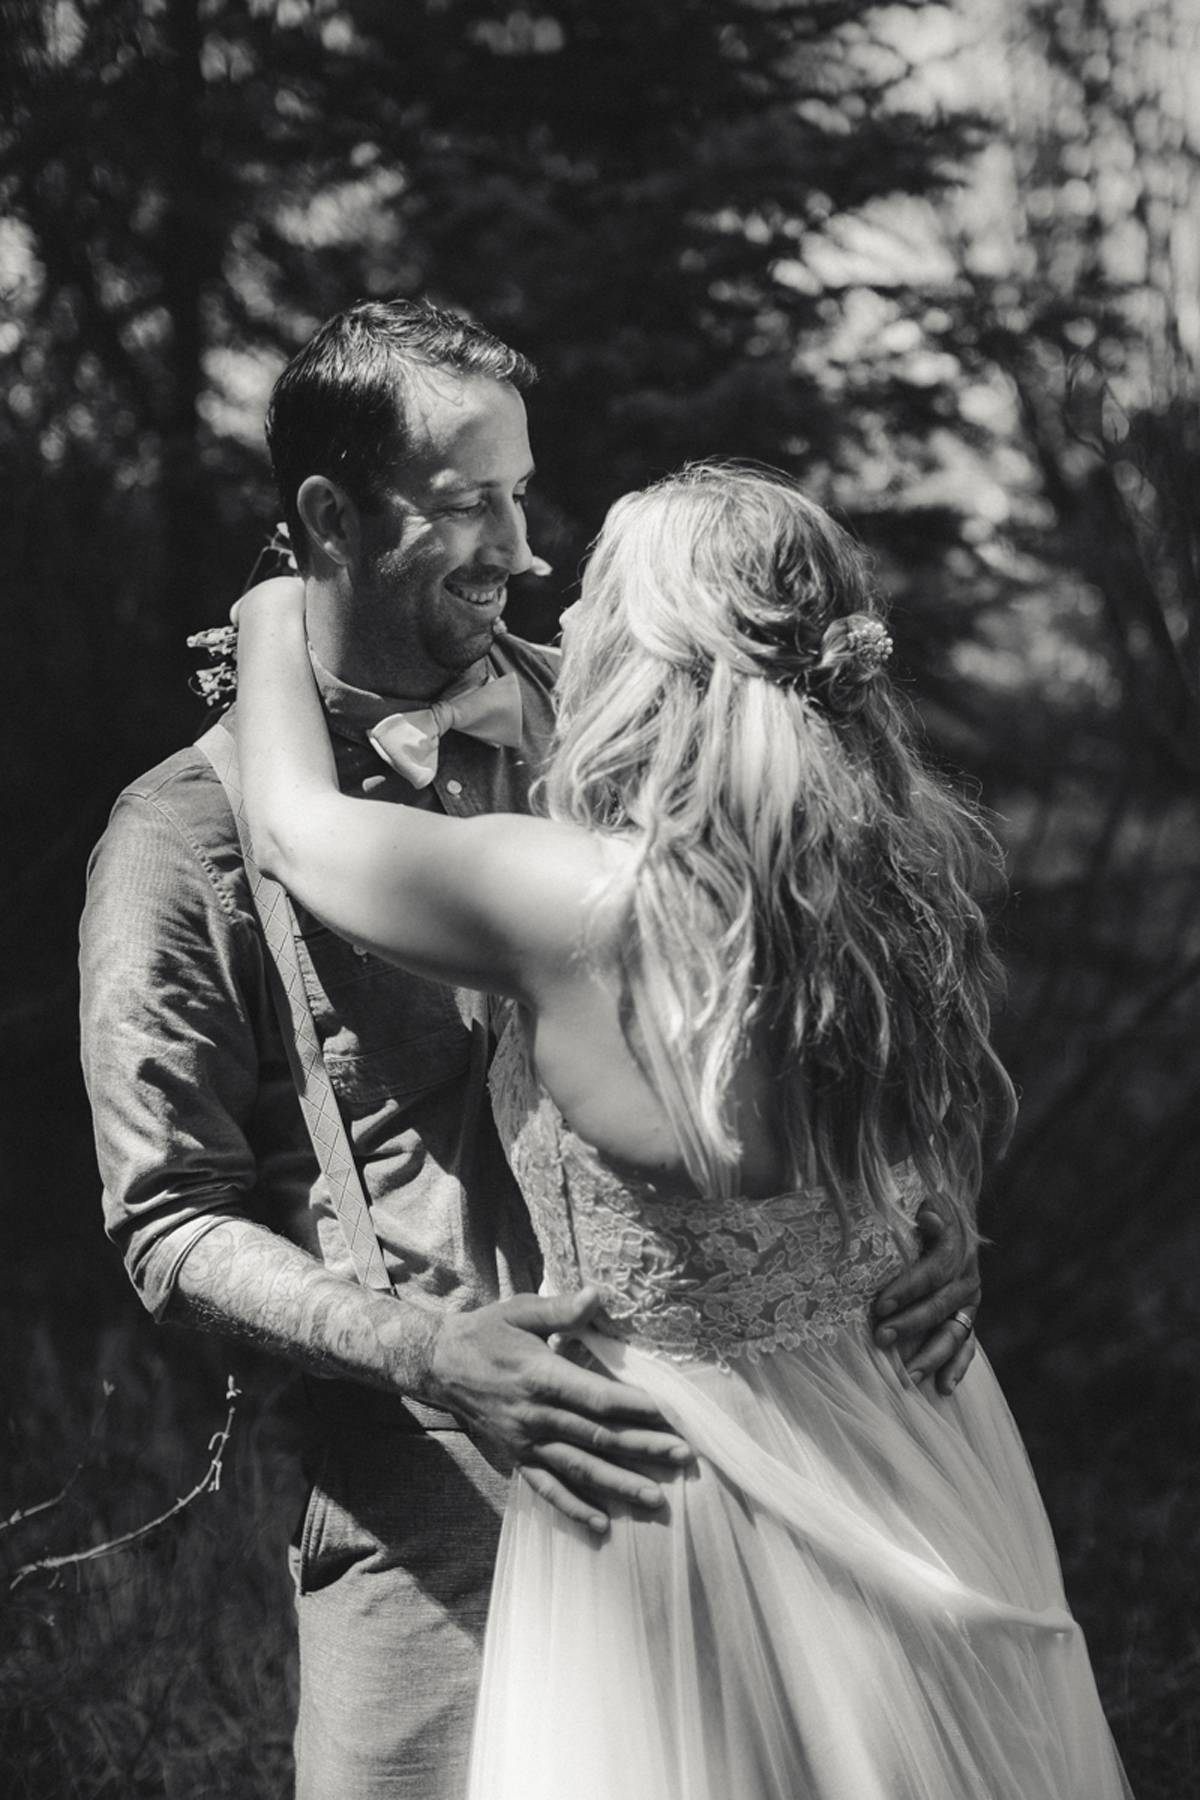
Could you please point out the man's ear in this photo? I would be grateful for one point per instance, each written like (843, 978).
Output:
(330, 518)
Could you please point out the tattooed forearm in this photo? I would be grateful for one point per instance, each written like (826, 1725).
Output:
(247, 1282)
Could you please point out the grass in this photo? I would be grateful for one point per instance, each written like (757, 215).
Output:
(1115, 1442)
(167, 1669)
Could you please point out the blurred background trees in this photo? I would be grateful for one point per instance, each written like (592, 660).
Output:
(942, 262)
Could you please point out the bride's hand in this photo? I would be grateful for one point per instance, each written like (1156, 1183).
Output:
(573, 1434)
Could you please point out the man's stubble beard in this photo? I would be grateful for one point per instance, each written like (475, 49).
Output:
(401, 648)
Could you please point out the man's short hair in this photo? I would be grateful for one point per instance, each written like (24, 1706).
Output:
(338, 409)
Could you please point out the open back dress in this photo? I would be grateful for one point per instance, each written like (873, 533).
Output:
(852, 1595)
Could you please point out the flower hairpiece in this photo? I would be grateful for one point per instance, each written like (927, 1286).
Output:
(860, 640)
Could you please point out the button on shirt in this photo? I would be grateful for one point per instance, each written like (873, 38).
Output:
(196, 1117)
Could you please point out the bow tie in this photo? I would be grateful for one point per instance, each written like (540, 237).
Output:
(409, 740)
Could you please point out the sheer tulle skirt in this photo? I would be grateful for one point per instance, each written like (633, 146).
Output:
(853, 1595)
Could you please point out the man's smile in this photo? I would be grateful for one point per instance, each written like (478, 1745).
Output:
(494, 594)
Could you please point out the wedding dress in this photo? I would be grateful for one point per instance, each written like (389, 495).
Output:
(853, 1594)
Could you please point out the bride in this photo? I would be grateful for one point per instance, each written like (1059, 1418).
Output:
(745, 990)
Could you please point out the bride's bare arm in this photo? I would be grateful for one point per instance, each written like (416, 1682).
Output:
(489, 902)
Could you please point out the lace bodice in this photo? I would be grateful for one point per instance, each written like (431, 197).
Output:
(686, 1276)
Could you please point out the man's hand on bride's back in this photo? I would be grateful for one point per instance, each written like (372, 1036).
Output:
(923, 1312)
(578, 1438)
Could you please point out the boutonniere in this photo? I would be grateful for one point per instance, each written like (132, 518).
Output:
(217, 684)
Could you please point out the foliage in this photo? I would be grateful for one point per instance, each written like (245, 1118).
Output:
(618, 189)
(1093, 326)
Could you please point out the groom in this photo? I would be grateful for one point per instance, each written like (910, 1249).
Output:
(398, 440)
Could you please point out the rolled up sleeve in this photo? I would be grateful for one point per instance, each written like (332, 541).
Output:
(171, 1055)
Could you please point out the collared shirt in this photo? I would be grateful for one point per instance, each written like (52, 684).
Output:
(195, 1114)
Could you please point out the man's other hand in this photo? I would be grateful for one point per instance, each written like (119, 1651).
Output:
(917, 1311)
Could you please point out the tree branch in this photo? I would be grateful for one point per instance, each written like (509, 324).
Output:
(210, 1481)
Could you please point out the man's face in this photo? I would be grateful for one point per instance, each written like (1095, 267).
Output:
(428, 584)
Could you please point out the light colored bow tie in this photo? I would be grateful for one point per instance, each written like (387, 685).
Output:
(409, 740)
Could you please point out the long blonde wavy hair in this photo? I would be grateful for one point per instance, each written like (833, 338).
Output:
(800, 875)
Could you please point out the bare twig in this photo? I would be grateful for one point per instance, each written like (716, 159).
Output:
(209, 1482)
(31, 1512)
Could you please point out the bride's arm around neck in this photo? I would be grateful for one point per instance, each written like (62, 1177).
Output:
(498, 902)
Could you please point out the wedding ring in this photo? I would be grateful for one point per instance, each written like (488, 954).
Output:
(966, 1321)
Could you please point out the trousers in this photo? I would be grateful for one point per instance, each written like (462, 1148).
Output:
(393, 1567)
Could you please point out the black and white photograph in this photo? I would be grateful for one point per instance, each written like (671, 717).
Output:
(600, 792)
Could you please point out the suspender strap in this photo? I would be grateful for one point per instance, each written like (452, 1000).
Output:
(317, 1099)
